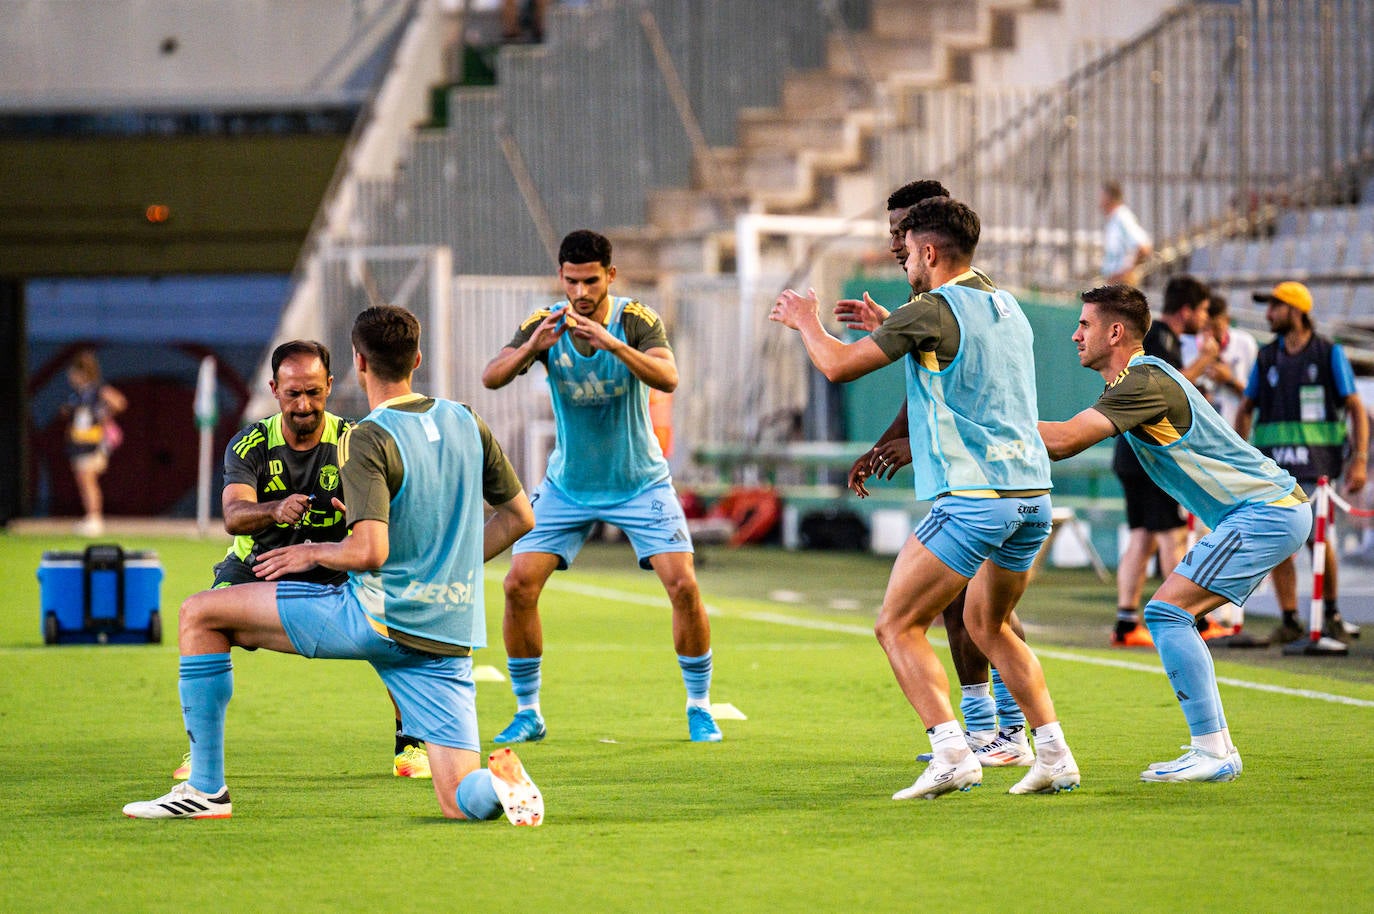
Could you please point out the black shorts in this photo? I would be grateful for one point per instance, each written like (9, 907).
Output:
(1149, 506)
(233, 571)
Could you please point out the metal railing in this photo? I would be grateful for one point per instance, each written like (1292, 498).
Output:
(1202, 119)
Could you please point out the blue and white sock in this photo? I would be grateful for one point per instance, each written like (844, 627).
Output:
(696, 676)
(525, 680)
(206, 685)
(1009, 713)
(978, 709)
(477, 798)
(1188, 664)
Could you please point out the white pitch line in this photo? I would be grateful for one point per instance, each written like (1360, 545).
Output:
(623, 596)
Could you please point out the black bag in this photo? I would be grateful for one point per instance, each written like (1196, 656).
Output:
(835, 529)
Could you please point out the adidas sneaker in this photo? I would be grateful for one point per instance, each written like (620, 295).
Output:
(183, 802)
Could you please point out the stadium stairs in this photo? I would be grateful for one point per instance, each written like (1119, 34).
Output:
(813, 154)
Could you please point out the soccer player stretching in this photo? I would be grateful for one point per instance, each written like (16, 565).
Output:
(414, 472)
(994, 725)
(1256, 511)
(281, 479)
(602, 354)
(972, 412)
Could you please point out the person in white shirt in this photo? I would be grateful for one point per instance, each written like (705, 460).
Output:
(1125, 245)
(1223, 383)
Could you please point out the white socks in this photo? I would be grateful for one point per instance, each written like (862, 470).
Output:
(1049, 742)
(947, 742)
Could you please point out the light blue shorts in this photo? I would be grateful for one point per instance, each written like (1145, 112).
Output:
(964, 532)
(652, 521)
(436, 695)
(1233, 559)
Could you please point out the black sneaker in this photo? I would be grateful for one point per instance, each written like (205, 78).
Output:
(1336, 627)
(1287, 632)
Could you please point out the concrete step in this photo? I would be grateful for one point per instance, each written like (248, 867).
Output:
(682, 210)
(771, 170)
(813, 93)
(643, 254)
(868, 56)
(906, 19)
(769, 128)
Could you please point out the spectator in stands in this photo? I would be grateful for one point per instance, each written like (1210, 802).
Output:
(1302, 399)
(1125, 245)
(1157, 524)
(92, 435)
(1223, 383)
(522, 21)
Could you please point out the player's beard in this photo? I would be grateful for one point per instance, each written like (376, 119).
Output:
(303, 426)
(920, 283)
(586, 303)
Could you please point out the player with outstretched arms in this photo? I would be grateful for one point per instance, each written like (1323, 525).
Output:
(1257, 513)
(971, 407)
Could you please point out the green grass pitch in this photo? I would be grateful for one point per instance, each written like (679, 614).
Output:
(790, 813)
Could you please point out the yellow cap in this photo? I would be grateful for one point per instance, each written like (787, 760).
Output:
(1293, 294)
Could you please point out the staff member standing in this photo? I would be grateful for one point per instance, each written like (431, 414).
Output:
(1303, 390)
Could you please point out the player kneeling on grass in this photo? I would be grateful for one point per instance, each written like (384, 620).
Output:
(1258, 514)
(281, 476)
(415, 472)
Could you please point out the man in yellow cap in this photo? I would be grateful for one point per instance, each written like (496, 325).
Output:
(1304, 392)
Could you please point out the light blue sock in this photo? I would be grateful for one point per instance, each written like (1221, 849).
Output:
(1188, 664)
(206, 684)
(696, 676)
(977, 708)
(525, 681)
(477, 798)
(1008, 711)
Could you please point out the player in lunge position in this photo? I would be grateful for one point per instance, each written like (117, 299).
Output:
(415, 472)
(281, 482)
(1257, 513)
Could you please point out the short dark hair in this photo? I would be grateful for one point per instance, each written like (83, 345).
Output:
(387, 336)
(1184, 292)
(1112, 189)
(908, 195)
(86, 363)
(585, 246)
(1219, 306)
(954, 223)
(300, 347)
(1121, 302)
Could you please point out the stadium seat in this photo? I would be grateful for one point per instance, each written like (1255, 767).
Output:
(1319, 255)
(1226, 259)
(1358, 261)
(1254, 260)
(1200, 261)
(1360, 309)
(1283, 259)
(1290, 222)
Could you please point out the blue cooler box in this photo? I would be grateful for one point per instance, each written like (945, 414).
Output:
(101, 596)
